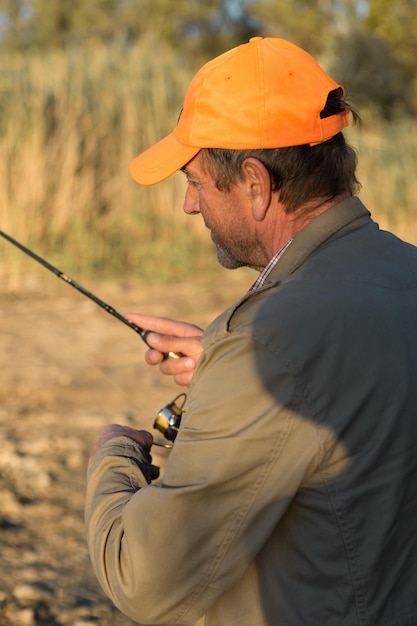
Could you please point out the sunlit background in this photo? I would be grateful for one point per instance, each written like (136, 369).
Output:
(85, 86)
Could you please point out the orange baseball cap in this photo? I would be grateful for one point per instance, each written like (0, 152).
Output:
(267, 93)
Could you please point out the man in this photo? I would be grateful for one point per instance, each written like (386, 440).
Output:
(290, 495)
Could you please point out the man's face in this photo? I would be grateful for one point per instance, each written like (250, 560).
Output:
(226, 214)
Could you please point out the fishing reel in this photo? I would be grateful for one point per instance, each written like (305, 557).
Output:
(168, 419)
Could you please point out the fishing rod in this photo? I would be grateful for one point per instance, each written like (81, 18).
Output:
(168, 419)
(141, 331)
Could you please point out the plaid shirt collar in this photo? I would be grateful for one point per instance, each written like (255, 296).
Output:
(263, 276)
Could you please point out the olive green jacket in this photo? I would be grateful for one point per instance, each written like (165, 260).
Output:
(290, 496)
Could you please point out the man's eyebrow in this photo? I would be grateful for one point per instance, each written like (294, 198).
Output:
(187, 172)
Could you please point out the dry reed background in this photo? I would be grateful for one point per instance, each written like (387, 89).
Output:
(69, 126)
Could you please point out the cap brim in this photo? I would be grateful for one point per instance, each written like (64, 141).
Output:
(161, 161)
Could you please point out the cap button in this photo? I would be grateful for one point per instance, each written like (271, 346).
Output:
(255, 39)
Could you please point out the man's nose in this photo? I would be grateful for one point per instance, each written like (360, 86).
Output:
(191, 205)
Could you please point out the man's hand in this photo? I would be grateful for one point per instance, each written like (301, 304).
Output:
(142, 437)
(170, 336)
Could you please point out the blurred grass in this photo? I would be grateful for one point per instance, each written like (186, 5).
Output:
(69, 126)
(387, 153)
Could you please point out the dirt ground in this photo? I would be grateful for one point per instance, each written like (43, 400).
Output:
(67, 369)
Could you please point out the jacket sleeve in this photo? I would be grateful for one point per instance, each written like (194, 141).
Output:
(165, 553)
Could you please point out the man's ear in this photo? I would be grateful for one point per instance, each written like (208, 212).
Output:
(259, 186)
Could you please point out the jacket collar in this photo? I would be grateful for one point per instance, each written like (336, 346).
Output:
(340, 218)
